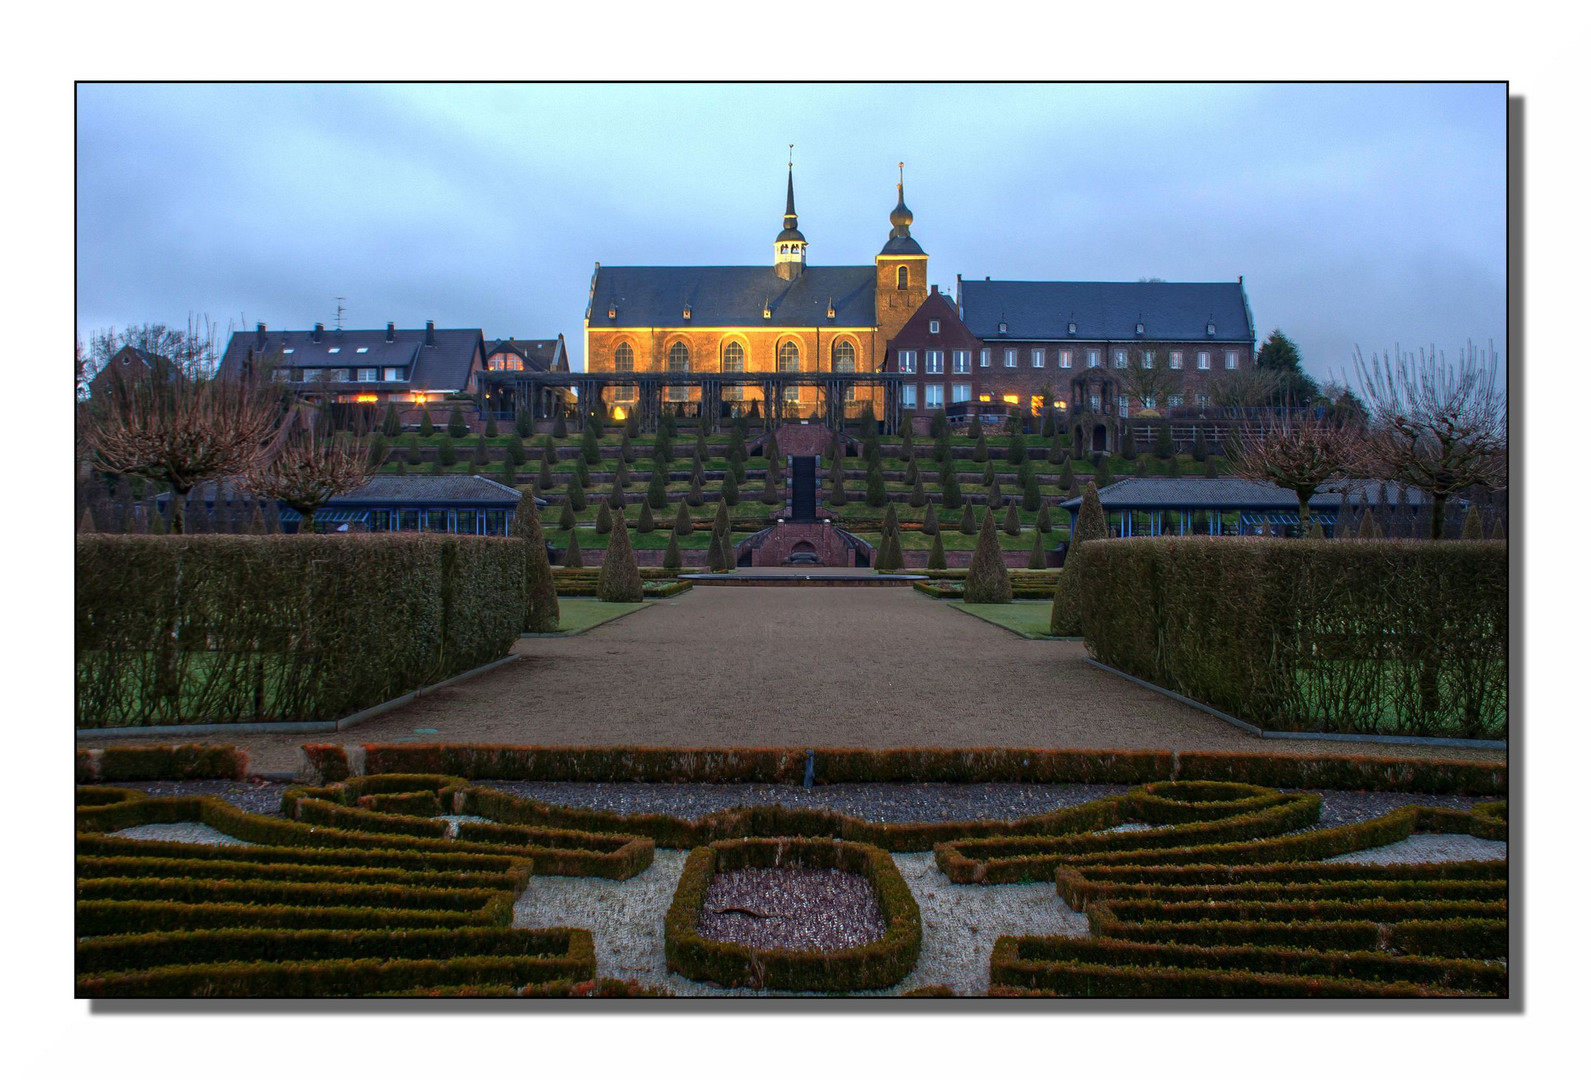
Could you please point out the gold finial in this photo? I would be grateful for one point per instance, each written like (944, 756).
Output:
(791, 162)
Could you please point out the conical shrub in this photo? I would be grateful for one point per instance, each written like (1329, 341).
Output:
(544, 477)
(566, 519)
(721, 518)
(694, 496)
(1174, 466)
(931, 522)
(645, 522)
(1472, 524)
(1013, 523)
(969, 523)
(1058, 452)
(1129, 445)
(1042, 522)
(626, 448)
(615, 497)
(524, 424)
(671, 559)
(491, 425)
(571, 555)
(481, 456)
(729, 490)
(446, 455)
(577, 493)
(1017, 449)
(988, 473)
(950, 487)
(541, 598)
(456, 427)
(657, 489)
(912, 473)
(427, 428)
(728, 542)
(772, 488)
(877, 494)
(391, 424)
(619, 580)
(988, 581)
(975, 429)
(1036, 560)
(936, 554)
(980, 450)
(515, 449)
(590, 446)
(837, 496)
(1210, 471)
(1316, 532)
(604, 522)
(1066, 609)
(621, 476)
(510, 474)
(412, 450)
(376, 456)
(1367, 525)
(918, 497)
(85, 524)
(996, 496)
(715, 554)
(682, 521)
(1102, 477)
(560, 426)
(1201, 448)
(549, 450)
(1031, 499)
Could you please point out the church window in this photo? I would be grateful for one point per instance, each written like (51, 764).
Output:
(734, 358)
(789, 356)
(624, 357)
(845, 362)
(900, 277)
(679, 363)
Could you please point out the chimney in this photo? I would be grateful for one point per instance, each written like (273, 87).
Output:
(430, 331)
(935, 289)
(259, 334)
(320, 329)
(390, 336)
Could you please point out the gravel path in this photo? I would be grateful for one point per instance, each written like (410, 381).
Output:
(1429, 847)
(255, 796)
(182, 832)
(845, 667)
(791, 908)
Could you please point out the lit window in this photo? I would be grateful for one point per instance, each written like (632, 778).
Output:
(335, 348)
(1038, 357)
(1093, 402)
(961, 361)
(1149, 361)
(1010, 358)
(933, 326)
(1121, 404)
(792, 394)
(1066, 358)
(1093, 357)
(1204, 361)
(934, 395)
(908, 396)
(1012, 399)
(734, 358)
(367, 374)
(983, 357)
(983, 397)
(362, 349)
(906, 361)
(394, 374)
(288, 351)
(679, 363)
(960, 392)
(1121, 358)
(1176, 360)
(1231, 359)
(934, 362)
(1149, 402)
(789, 356)
(1036, 404)
(624, 357)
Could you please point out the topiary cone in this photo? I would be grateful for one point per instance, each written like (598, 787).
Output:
(619, 580)
(541, 598)
(571, 555)
(682, 521)
(671, 560)
(988, 581)
(1036, 559)
(936, 554)
(931, 522)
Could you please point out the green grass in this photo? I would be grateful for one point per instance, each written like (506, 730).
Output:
(580, 613)
(1030, 618)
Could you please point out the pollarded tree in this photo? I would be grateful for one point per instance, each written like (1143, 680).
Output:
(308, 465)
(1436, 427)
(988, 581)
(541, 598)
(1299, 455)
(619, 580)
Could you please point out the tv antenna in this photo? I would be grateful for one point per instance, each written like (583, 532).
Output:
(340, 310)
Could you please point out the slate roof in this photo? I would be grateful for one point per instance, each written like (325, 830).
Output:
(448, 488)
(1107, 310)
(653, 296)
(539, 354)
(444, 366)
(1230, 493)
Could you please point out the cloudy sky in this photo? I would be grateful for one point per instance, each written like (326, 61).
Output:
(1356, 213)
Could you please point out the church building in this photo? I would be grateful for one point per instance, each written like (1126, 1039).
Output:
(781, 338)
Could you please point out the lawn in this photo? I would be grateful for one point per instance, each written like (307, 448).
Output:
(1030, 618)
(580, 613)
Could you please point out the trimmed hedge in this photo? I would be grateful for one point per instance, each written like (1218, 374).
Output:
(872, 966)
(1402, 637)
(326, 978)
(190, 761)
(222, 628)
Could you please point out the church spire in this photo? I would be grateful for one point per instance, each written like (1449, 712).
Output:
(900, 240)
(790, 247)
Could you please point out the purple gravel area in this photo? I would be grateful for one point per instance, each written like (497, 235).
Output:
(255, 796)
(1352, 807)
(882, 803)
(791, 908)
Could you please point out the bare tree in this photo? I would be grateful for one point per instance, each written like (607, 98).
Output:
(309, 464)
(1300, 455)
(196, 349)
(1150, 386)
(179, 427)
(1435, 426)
(1243, 388)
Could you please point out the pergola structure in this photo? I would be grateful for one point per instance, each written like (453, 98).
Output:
(1172, 504)
(537, 391)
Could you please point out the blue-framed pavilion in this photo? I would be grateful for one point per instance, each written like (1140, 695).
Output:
(1173, 504)
(472, 505)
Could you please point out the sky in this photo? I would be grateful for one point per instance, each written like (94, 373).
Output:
(1357, 214)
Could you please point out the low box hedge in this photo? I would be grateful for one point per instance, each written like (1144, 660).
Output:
(832, 765)
(123, 866)
(106, 796)
(872, 966)
(97, 917)
(190, 761)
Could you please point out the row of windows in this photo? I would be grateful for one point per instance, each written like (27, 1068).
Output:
(934, 359)
(1173, 401)
(364, 374)
(843, 355)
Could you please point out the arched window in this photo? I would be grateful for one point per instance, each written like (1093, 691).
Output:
(734, 364)
(845, 363)
(900, 277)
(789, 356)
(624, 357)
(679, 358)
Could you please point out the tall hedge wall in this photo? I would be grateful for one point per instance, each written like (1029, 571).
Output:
(1391, 637)
(219, 629)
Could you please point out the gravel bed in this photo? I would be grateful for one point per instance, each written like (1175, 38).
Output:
(255, 796)
(883, 803)
(791, 908)
(453, 823)
(182, 832)
(1428, 847)
(1352, 807)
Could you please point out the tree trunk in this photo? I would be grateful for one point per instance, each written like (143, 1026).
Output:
(1304, 520)
(179, 499)
(1438, 512)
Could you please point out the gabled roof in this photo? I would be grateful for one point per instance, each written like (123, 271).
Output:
(448, 488)
(656, 296)
(1230, 493)
(539, 354)
(1108, 310)
(445, 365)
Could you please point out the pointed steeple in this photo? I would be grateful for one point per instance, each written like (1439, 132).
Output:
(789, 247)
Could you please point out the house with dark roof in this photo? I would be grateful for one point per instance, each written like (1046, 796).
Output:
(129, 362)
(453, 503)
(788, 337)
(1109, 350)
(935, 355)
(511, 381)
(411, 368)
